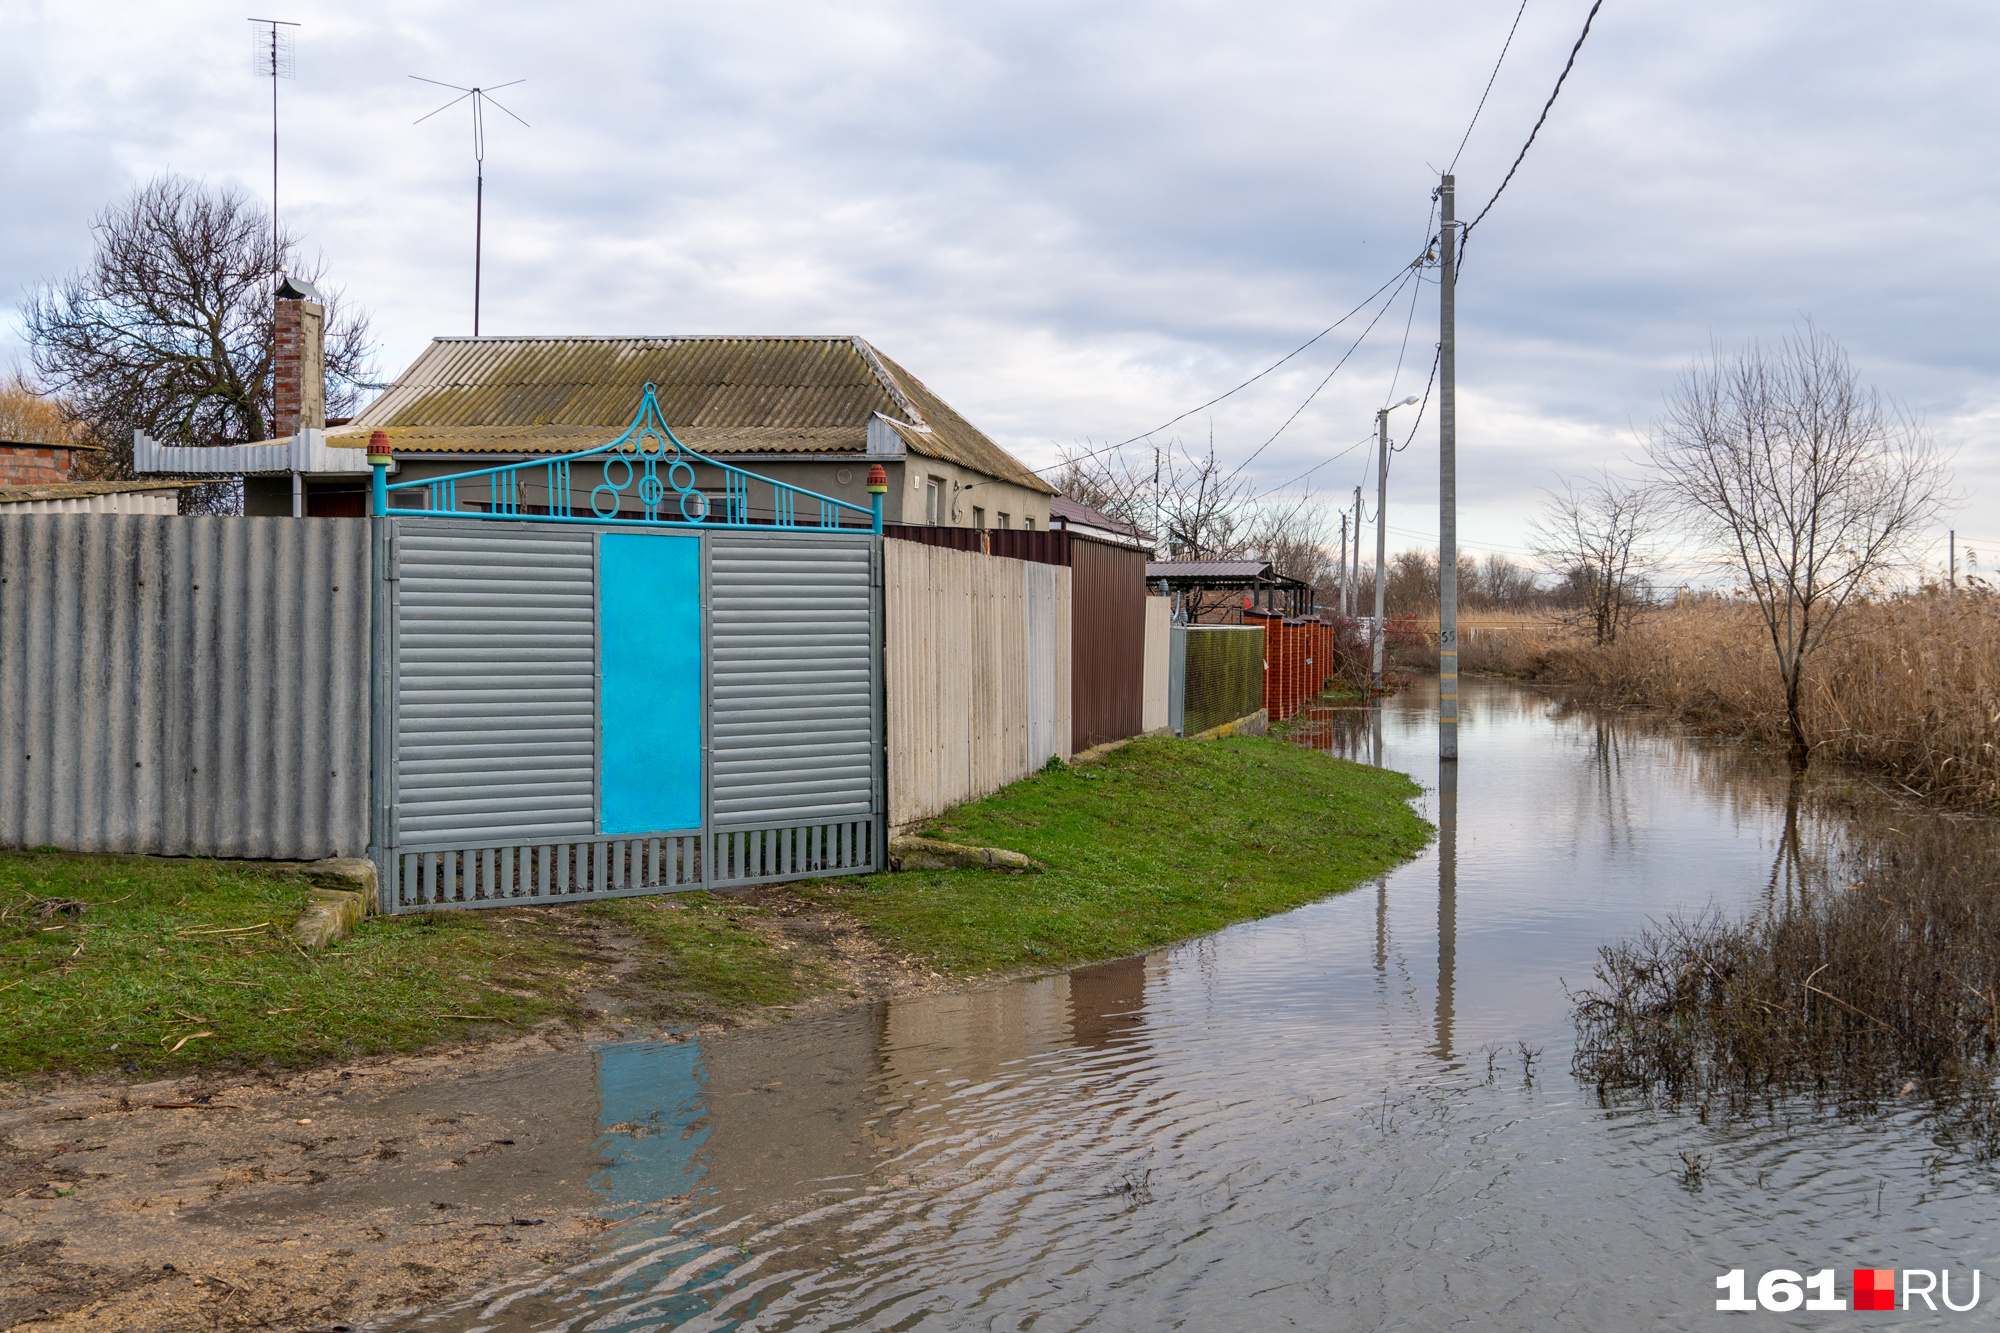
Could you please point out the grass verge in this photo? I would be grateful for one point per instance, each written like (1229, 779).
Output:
(1158, 841)
(177, 963)
(170, 964)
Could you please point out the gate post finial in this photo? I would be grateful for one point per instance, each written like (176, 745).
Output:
(379, 459)
(878, 486)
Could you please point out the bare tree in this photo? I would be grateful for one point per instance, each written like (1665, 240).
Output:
(169, 328)
(1598, 540)
(1801, 481)
(1202, 511)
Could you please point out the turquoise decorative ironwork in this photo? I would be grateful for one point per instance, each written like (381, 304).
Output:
(648, 462)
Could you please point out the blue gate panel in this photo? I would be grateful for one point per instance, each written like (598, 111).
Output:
(650, 692)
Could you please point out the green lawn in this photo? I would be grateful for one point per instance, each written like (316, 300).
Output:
(169, 949)
(182, 963)
(1159, 841)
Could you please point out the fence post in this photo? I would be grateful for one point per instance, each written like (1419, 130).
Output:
(878, 486)
(379, 459)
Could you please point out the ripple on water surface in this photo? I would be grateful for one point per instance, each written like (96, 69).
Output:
(1355, 1115)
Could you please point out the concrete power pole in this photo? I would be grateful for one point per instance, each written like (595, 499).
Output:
(1357, 550)
(1448, 473)
(1343, 564)
(1375, 634)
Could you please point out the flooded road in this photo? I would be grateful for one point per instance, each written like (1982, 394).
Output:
(1356, 1115)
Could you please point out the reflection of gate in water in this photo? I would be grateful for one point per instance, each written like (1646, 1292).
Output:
(572, 708)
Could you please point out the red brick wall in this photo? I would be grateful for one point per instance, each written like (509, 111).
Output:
(1298, 660)
(34, 464)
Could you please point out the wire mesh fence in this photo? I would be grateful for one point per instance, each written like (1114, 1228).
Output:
(1225, 675)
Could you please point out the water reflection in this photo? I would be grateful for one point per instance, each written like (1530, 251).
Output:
(1447, 854)
(1304, 1121)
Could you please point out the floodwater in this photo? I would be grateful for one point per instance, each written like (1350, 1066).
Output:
(1357, 1115)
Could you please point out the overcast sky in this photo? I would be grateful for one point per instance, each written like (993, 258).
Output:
(1077, 221)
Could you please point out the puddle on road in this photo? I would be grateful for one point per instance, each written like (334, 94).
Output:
(1358, 1114)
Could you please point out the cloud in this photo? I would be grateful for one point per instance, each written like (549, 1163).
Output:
(1077, 222)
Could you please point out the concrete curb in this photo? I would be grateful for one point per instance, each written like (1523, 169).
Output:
(932, 854)
(1257, 724)
(343, 893)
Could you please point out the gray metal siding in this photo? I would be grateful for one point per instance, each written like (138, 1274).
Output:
(184, 686)
(495, 688)
(794, 666)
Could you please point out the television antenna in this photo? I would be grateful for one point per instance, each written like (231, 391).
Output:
(480, 97)
(274, 56)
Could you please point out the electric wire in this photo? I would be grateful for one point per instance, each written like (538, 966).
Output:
(1401, 275)
(1332, 458)
(1407, 274)
(1489, 87)
(1539, 120)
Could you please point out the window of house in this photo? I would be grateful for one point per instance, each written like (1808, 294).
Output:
(978, 517)
(1028, 523)
(934, 501)
(1006, 521)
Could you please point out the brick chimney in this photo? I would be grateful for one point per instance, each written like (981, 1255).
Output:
(299, 372)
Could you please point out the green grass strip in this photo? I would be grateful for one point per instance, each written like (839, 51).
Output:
(1159, 841)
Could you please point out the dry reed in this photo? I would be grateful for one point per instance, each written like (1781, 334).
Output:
(1853, 996)
(1907, 686)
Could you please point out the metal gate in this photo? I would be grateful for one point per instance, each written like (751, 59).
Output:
(577, 707)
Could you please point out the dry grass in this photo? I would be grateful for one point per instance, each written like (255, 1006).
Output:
(1855, 996)
(1908, 686)
(1490, 643)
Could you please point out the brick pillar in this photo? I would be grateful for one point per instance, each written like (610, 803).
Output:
(299, 375)
(34, 464)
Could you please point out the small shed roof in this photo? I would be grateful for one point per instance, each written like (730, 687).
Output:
(1208, 569)
(721, 394)
(80, 490)
(1065, 510)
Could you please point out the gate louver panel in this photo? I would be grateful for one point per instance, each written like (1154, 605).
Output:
(793, 661)
(495, 681)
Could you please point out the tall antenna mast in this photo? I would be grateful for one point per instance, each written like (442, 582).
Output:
(479, 96)
(275, 57)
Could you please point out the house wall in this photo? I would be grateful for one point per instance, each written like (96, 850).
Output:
(184, 686)
(976, 674)
(964, 488)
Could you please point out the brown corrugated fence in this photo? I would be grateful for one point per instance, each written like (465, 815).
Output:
(1107, 641)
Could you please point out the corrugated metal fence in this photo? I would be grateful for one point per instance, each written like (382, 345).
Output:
(184, 686)
(977, 673)
(525, 656)
(1108, 619)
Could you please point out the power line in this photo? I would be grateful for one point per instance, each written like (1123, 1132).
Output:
(1368, 301)
(1489, 87)
(1409, 323)
(1401, 275)
(1333, 458)
(1407, 274)
(1429, 384)
(1539, 120)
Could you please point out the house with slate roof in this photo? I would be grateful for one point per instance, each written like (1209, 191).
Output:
(813, 412)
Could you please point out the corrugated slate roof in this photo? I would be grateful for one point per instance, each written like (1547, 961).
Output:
(743, 395)
(1207, 569)
(81, 490)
